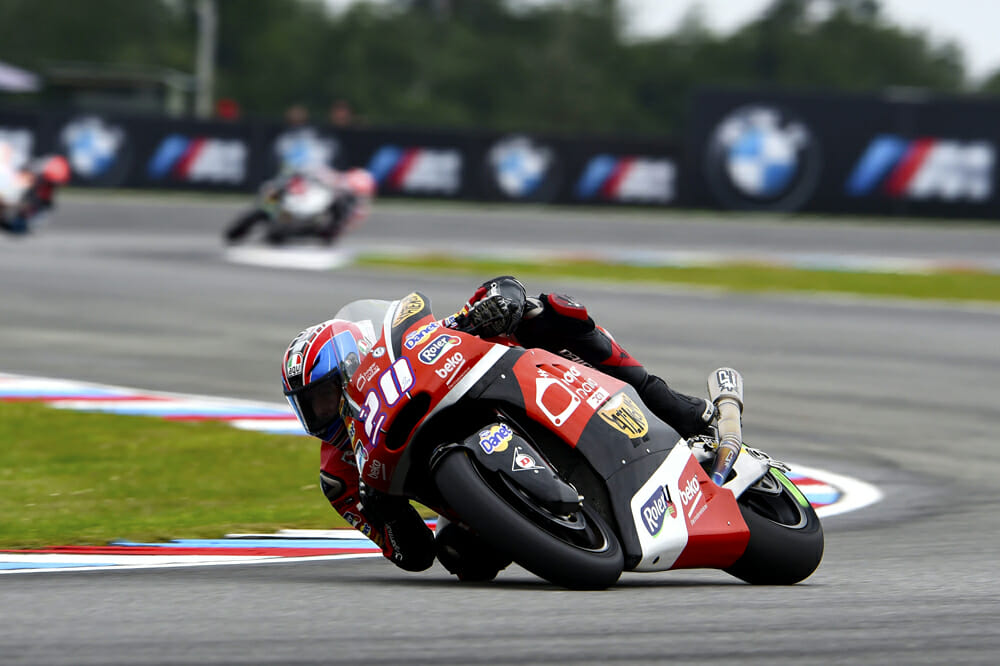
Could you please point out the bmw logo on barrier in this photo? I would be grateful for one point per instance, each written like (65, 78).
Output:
(520, 169)
(98, 151)
(762, 158)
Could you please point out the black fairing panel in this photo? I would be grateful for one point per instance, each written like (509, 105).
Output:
(498, 449)
(499, 384)
(624, 463)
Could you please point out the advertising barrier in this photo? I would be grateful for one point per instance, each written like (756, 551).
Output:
(108, 150)
(893, 154)
(899, 153)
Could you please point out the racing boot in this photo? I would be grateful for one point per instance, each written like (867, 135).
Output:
(559, 324)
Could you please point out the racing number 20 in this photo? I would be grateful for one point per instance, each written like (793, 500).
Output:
(392, 384)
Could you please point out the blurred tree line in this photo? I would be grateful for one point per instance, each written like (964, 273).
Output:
(561, 66)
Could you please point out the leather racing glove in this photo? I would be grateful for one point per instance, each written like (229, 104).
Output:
(495, 309)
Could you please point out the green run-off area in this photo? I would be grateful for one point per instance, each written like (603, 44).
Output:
(69, 478)
(745, 277)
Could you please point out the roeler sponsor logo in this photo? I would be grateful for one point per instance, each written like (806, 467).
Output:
(435, 347)
(451, 367)
(496, 439)
(656, 509)
(419, 337)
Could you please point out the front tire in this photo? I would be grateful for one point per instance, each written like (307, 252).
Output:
(786, 537)
(239, 229)
(577, 551)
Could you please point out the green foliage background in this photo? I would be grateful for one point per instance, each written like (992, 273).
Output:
(560, 66)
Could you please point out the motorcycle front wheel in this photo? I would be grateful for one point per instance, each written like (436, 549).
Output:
(243, 225)
(577, 550)
(786, 537)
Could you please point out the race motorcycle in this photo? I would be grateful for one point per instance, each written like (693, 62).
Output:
(562, 467)
(317, 203)
(28, 193)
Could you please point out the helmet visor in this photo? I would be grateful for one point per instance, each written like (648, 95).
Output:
(318, 404)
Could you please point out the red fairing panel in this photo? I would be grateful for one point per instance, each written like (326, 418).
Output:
(560, 393)
(717, 533)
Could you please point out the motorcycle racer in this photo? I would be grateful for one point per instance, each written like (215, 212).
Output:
(29, 191)
(318, 359)
(350, 194)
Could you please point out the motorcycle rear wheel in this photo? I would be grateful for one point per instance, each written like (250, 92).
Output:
(577, 551)
(786, 537)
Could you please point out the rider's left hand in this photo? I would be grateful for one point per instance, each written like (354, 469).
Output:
(497, 310)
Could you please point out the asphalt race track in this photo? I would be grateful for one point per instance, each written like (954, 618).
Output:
(136, 292)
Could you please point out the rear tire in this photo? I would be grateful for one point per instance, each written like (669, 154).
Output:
(786, 537)
(578, 551)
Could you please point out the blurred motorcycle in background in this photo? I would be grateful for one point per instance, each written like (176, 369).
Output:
(27, 191)
(306, 203)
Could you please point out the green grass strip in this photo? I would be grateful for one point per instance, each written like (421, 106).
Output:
(69, 478)
(962, 286)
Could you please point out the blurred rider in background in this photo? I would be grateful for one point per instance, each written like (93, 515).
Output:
(287, 203)
(28, 191)
(499, 309)
(349, 192)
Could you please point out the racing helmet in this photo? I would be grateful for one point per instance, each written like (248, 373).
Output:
(56, 170)
(315, 370)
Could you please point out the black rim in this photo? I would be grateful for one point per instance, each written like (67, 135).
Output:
(771, 500)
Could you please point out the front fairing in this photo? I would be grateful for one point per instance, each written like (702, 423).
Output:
(415, 368)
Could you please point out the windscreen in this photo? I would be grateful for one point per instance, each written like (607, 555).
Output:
(368, 314)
